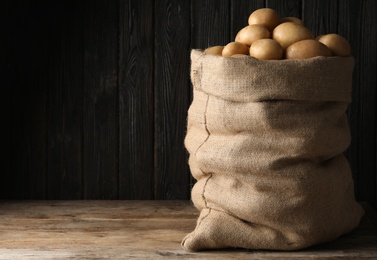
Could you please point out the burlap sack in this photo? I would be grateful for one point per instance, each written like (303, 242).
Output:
(266, 142)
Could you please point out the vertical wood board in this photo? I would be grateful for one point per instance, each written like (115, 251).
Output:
(286, 8)
(98, 92)
(136, 104)
(210, 23)
(100, 100)
(240, 12)
(321, 17)
(358, 24)
(64, 88)
(172, 97)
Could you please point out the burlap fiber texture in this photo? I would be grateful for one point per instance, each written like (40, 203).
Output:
(266, 142)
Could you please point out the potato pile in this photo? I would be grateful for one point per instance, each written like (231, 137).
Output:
(269, 37)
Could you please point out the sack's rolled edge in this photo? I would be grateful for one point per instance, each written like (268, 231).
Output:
(229, 78)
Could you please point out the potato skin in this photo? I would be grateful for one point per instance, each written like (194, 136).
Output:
(266, 49)
(235, 48)
(291, 19)
(239, 55)
(269, 37)
(214, 50)
(338, 45)
(266, 17)
(288, 33)
(252, 33)
(306, 49)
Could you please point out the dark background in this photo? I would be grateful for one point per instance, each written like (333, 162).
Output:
(98, 91)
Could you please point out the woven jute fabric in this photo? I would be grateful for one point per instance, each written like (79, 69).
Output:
(266, 142)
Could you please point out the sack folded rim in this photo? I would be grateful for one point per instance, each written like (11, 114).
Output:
(245, 79)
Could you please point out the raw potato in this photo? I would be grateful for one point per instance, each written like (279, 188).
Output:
(269, 37)
(215, 50)
(336, 43)
(266, 49)
(235, 48)
(238, 55)
(266, 17)
(288, 33)
(307, 49)
(252, 33)
(292, 20)
(318, 37)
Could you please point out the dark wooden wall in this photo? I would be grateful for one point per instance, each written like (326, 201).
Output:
(98, 91)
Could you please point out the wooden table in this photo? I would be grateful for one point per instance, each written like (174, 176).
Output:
(139, 230)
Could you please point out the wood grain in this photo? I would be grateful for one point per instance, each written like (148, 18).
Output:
(321, 17)
(286, 8)
(346, 18)
(240, 12)
(100, 100)
(172, 98)
(141, 230)
(210, 23)
(355, 18)
(98, 92)
(65, 92)
(136, 103)
(367, 81)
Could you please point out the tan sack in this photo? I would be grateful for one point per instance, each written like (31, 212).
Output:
(266, 142)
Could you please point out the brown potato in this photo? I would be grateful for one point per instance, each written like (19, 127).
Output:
(292, 20)
(288, 33)
(336, 43)
(235, 48)
(239, 55)
(266, 49)
(306, 49)
(252, 33)
(215, 50)
(318, 37)
(266, 17)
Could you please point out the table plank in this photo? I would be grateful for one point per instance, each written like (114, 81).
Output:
(138, 229)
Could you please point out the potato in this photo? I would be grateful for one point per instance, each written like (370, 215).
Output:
(266, 49)
(252, 33)
(235, 48)
(215, 50)
(291, 19)
(239, 55)
(288, 33)
(318, 37)
(336, 43)
(268, 37)
(306, 49)
(266, 17)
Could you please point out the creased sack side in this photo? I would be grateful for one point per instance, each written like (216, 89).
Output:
(266, 142)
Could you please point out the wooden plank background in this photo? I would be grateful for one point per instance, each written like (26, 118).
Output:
(97, 92)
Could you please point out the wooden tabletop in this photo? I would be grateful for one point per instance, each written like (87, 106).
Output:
(139, 230)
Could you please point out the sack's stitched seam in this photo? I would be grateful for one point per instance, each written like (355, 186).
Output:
(208, 134)
(205, 124)
(210, 176)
